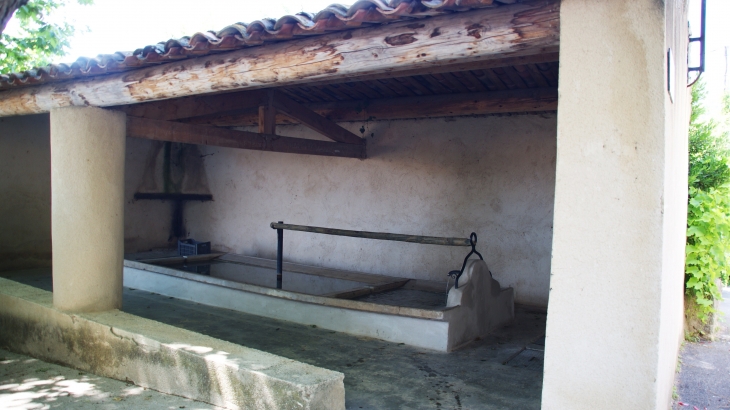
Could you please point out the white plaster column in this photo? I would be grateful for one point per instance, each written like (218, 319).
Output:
(87, 208)
(615, 308)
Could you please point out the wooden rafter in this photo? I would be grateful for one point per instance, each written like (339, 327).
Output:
(267, 115)
(311, 119)
(266, 104)
(222, 137)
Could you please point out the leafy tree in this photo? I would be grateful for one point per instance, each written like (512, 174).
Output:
(709, 153)
(708, 210)
(38, 40)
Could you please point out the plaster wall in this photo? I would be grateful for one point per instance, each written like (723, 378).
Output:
(615, 312)
(87, 212)
(25, 189)
(438, 177)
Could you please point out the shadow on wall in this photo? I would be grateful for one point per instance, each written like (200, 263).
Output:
(161, 178)
(25, 192)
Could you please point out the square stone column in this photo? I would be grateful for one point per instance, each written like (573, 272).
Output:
(614, 320)
(87, 208)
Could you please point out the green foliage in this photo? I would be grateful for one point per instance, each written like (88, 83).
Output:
(39, 40)
(708, 221)
(708, 210)
(709, 155)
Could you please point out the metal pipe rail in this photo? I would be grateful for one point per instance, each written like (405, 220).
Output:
(429, 240)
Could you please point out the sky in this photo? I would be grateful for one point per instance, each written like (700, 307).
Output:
(125, 25)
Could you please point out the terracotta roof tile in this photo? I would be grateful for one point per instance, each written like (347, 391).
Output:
(336, 17)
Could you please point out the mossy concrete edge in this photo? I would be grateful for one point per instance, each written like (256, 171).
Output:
(161, 357)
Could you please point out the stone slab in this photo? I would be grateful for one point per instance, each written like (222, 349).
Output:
(161, 357)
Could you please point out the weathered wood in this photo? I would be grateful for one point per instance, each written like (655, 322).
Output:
(221, 137)
(198, 106)
(267, 115)
(511, 101)
(428, 240)
(313, 120)
(547, 55)
(522, 29)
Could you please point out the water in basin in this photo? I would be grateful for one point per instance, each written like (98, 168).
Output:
(266, 277)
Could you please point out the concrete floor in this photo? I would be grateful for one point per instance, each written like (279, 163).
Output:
(704, 376)
(378, 375)
(27, 383)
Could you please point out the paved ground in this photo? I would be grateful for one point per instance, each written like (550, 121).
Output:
(704, 378)
(378, 375)
(27, 383)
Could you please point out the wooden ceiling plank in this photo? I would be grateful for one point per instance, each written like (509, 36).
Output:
(468, 79)
(434, 85)
(528, 100)
(333, 93)
(493, 102)
(317, 93)
(417, 87)
(381, 88)
(396, 87)
(404, 83)
(506, 79)
(493, 79)
(344, 92)
(537, 75)
(451, 83)
(299, 96)
(550, 71)
(526, 76)
(368, 92)
(222, 137)
(515, 77)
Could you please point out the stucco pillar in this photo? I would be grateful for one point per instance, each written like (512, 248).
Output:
(87, 208)
(615, 307)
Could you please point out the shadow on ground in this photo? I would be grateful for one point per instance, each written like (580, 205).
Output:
(27, 383)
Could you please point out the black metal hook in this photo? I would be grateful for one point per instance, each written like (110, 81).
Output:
(457, 273)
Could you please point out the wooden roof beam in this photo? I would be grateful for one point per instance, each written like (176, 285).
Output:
(198, 106)
(222, 137)
(527, 28)
(311, 119)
